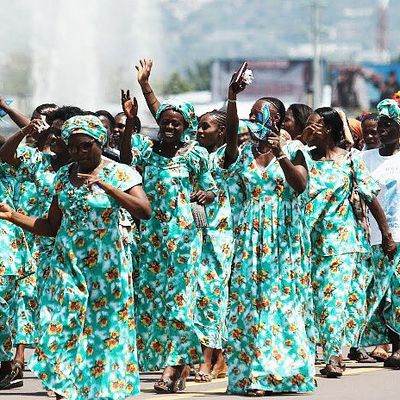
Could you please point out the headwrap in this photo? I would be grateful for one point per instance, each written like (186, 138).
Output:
(89, 125)
(187, 111)
(262, 128)
(390, 109)
(355, 129)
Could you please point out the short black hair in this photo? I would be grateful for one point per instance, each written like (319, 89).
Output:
(106, 114)
(369, 117)
(138, 124)
(45, 109)
(64, 113)
(333, 121)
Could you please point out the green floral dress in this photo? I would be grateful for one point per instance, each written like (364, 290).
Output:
(336, 249)
(268, 347)
(169, 251)
(87, 340)
(26, 202)
(15, 265)
(215, 261)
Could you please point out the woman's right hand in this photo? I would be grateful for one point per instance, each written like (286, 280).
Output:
(389, 246)
(236, 84)
(143, 70)
(129, 105)
(5, 211)
(35, 127)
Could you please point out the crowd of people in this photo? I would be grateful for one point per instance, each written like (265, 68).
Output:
(216, 247)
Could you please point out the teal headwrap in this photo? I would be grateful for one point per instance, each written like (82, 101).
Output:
(390, 109)
(88, 125)
(188, 114)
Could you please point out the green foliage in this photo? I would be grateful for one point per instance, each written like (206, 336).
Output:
(194, 79)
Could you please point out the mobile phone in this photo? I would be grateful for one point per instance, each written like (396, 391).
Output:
(237, 79)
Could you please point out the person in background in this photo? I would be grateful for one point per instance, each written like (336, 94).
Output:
(384, 163)
(369, 125)
(296, 119)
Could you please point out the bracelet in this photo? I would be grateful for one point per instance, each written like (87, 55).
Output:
(231, 101)
(281, 157)
(146, 93)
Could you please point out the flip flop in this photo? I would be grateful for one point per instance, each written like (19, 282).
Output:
(203, 377)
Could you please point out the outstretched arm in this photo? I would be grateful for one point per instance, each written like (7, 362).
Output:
(143, 74)
(39, 226)
(130, 108)
(19, 119)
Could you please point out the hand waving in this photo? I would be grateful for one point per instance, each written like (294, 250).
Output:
(143, 70)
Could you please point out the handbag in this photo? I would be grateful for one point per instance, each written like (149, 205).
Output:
(357, 203)
(199, 215)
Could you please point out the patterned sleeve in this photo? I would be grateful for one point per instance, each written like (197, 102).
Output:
(367, 186)
(141, 149)
(60, 179)
(31, 159)
(125, 177)
(244, 152)
(198, 162)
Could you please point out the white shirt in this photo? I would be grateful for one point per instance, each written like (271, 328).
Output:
(386, 171)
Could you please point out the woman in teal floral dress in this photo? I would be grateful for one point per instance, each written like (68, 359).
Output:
(15, 266)
(87, 332)
(170, 244)
(336, 248)
(216, 253)
(268, 349)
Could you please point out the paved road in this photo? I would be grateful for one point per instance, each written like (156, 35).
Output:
(367, 382)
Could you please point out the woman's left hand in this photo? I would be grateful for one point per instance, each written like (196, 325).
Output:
(273, 141)
(91, 180)
(202, 197)
(389, 247)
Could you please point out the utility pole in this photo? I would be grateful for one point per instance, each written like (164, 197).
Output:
(316, 32)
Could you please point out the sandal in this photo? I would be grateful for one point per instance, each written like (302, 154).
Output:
(203, 377)
(14, 378)
(393, 361)
(360, 355)
(256, 393)
(334, 369)
(379, 354)
(165, 386)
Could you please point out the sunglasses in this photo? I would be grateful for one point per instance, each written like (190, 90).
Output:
(85, 146)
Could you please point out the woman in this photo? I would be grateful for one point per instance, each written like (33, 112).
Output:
(15, 267)
(87, 331)
(296, 119)
(216, 254)
(336, 249)
(170, 244)
(384, 291)
(369, 125)
(268, 349)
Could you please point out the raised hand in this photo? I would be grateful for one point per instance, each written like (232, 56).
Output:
(5, 211)
(143, 70)
(129, 105)
(237, 83)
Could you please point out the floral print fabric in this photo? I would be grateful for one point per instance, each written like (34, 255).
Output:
(268, 347)
(215, 261)
(169, 251)
(87, 344)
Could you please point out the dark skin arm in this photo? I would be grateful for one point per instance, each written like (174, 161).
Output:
(9, 148)
(130, 108)
(296, 173)
(134, 200)
(39, 226)
(19, 119)
(388, 244)
(232, 120)
(143, 74)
